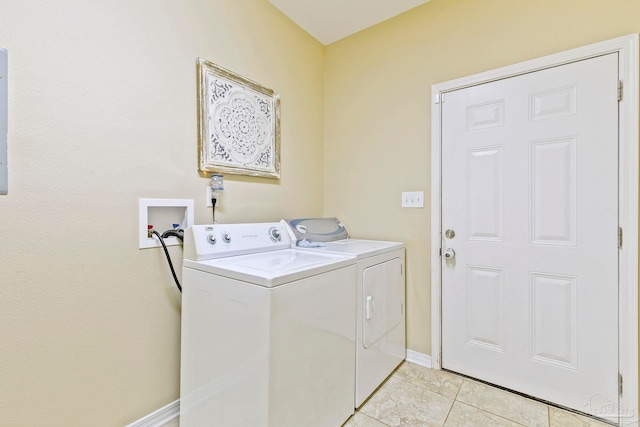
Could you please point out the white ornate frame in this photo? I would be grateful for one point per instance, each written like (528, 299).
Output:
(238, 124)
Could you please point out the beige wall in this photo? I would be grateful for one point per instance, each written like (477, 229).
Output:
(377, 108)
(102, 111)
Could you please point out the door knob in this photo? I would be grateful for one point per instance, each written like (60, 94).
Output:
(449, 254)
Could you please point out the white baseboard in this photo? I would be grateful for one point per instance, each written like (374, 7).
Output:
(172, 410)
(159, 417)
(419, 358)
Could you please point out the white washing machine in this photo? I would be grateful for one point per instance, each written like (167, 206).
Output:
(268, 337)
(380, 314)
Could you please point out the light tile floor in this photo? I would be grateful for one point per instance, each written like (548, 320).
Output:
(419, 396)
(415, 396)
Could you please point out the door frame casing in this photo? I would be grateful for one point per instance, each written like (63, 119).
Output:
(628, 159)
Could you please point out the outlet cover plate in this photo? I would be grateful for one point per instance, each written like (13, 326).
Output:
(209, 204)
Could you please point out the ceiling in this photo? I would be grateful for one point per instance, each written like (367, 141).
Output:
(331, 20)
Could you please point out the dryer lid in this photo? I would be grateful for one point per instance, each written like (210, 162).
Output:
(318, 229)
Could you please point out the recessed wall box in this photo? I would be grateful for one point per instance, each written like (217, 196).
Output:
(162, 214)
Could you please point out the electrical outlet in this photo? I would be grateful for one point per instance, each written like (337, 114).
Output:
(209, 199)
(413, 199)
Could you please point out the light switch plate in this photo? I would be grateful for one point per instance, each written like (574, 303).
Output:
(413, 199)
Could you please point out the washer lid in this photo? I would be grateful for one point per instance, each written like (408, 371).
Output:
(273, 268)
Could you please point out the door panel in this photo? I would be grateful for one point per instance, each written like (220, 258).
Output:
(554, 326)
(485, 183)
(530, 187)
(382, 300)
(485, 307)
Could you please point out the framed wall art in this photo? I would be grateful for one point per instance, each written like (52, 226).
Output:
(238, 124)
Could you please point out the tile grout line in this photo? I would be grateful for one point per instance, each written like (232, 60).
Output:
(375, 419)
(498, 388)
(455, 399)
(549, 406)
(471, 380)
(427, 388)
(502, 417)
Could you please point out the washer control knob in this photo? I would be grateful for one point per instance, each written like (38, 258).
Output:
(274, 234)
(226, 237)
(211, 238)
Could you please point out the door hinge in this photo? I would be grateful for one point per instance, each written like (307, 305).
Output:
(619, 90)
(439, 98)
(620, 384)
(619, 237)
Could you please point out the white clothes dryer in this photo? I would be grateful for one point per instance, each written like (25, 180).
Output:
(380, 307)
(267, 331)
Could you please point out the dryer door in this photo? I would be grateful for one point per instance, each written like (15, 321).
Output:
(381, 299)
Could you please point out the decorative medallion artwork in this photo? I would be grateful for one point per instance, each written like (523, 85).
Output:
(238, 124)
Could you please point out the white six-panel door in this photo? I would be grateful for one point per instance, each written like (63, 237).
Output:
(530, 194)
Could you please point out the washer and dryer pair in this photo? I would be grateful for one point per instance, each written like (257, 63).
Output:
(380, 296)
(269, 328)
